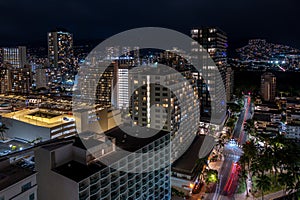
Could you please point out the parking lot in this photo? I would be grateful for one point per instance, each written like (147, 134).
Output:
(14, 145)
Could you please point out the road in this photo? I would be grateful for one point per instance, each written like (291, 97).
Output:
(228, 175)
(238, 132)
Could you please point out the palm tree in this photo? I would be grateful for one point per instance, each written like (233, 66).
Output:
(276, 150)
(266, 161)
(243, 175)
(263, 182)
(250, 153)
(249, 126)
(291, 163)
(287, 180)
(3, 129)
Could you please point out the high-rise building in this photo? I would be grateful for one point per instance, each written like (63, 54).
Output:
(122, 87)
(16, 80)
(16, 56)
(112, 86)
(40, 77)
(164, 101)
(60, 55)
(76, 171)
(268, 86)
(123, 65)
(5, 79)
(229, 83)
(214, 41)
(104, 86)
(21, 80)
(120, 98)
(96, 87)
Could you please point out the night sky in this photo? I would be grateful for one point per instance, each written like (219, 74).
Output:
(28, 21)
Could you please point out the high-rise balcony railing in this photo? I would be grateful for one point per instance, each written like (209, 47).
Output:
(130, 176)
(123, 190)
(94, 180)
(104, 193)
(131, 183)
(114, 195)
(123, 181)
(94, 190)
(83, 196)
(104, 174)
(104, 183)
(83, 186)
(113, 177)
(131, 192)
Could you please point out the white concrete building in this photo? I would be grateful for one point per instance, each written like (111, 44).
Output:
(168, 101)
(69, 171)
(32, 124)
(122, 87)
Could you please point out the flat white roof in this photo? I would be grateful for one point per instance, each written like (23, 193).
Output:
(24, 116)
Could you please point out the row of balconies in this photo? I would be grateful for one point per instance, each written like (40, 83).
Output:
(134, 191)
(94, 181)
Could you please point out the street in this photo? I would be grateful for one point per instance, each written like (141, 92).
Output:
(228, 175)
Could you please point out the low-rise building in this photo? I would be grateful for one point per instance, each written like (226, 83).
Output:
(16, 183)
(292, 132)
(38, 124)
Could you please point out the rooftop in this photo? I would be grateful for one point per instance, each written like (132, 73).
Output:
(262, 117)
(13, 145)
(132, 143)
(44, 114)
(187, 163)
(39, 117)
(89, 142)
(77, 171)
(13, 174)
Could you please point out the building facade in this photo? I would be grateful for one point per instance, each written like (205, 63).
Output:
(16, 56)
(40, 78)
(268, 86)
(16, 80)
(75, 174)
(32, 124)
(165, 101)
(229, 83)
(60, 55)
(212, 81)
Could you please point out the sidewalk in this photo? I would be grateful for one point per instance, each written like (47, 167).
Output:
(273, 195)
(266, 197)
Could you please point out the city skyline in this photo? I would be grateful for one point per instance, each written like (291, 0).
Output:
(156, 100)
(273, 21)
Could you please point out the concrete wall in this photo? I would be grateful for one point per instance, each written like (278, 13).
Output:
(24, 130)
(79, 155)
(63, 155)
(51, 184)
